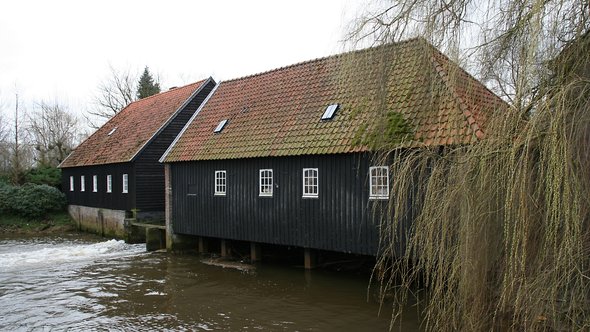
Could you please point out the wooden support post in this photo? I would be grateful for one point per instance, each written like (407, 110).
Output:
(309, 259)
(225, 250)
(203, 245)
(255, 255)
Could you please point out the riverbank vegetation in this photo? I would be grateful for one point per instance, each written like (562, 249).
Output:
(36, 206)
(52, 223)
(500, 238)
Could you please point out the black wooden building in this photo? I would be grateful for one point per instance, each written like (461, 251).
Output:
(115, 172)
(285, 157)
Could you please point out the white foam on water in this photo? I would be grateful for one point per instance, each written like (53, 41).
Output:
(67, 253)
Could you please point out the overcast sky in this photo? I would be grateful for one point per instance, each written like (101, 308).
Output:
(61, 50)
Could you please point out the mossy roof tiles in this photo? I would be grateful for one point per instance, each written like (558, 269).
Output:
(277, 113)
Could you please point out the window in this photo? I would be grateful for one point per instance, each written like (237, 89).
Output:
(82, 184)
(94, 183)
(379, 182)
(109, 183)
(125, 183)
(330, 111)
(265, 182)
(310, 182)
(220, 126)
(220, 183)
(71, 183)
(112, 131)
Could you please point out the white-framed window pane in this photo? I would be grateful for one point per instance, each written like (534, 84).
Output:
(379, 182)
(265, 182)
(220, 182)
(82, 183)
(71, 183)
(109, 183)
(94, 183)
(310, 182)
(125, 183)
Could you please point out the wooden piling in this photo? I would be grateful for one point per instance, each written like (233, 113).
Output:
(255, 254)
(309, 259)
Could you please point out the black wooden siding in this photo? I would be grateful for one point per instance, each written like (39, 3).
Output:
(149, 171)
(146, 173)
(340, 219)
(115, 200)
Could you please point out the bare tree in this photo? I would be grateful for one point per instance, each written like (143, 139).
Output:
(114, 93)
(20, 150)
(4, 146)
(53, 131)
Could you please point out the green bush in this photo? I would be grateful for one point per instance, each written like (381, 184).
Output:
(44, 175)
(7, 197)
(36, 201)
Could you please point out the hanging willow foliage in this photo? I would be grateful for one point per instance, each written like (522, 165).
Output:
(499, 237)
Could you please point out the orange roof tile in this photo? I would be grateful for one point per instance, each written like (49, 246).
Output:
(277, 113)
(125, 134)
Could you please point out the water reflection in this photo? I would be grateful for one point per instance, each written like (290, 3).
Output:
(124, 288)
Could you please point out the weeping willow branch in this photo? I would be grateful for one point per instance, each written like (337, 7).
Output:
(496, 234)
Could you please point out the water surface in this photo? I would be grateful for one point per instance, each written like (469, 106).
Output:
(86, 283)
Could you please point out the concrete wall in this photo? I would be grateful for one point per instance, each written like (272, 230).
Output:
(105, 222)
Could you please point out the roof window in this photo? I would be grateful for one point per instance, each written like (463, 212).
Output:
(112, 131)
(220, 126)
(330, 111)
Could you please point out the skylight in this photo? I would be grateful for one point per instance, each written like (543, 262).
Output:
(220, 126)
(112, 131)
(330, 111)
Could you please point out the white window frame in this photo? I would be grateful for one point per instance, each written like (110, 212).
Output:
(265, 182)
(82, 183)
(376, 189)
(220, 183)
(94, 183)
(125, 183)
(308, 189)
(109, 183)
(72, 183)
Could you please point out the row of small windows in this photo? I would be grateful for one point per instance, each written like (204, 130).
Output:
(109, 181)
(378, 182)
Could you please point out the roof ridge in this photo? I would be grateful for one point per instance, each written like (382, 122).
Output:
(334, 56)
(167, 91)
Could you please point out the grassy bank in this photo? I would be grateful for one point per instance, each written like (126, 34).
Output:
(54, 223)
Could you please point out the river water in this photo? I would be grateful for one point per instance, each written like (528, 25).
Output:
(79, 282)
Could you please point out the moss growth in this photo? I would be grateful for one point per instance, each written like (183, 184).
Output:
(390, 132)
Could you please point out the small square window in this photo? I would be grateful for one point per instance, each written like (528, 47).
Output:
(125, 183)
(71, 183)
(265, 182)
(220, 183)
(379, 182)
(192, 190)
(109, 183)
(82, 183)
(94, 183)
(310, 182)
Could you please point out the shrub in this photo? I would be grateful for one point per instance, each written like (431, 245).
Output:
(7, 198)
(35, 201)
(44, 175)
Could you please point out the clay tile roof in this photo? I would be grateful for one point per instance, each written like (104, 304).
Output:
(125, 134)
(277, 113)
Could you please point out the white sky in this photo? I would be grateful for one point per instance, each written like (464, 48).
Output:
(61, 50)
